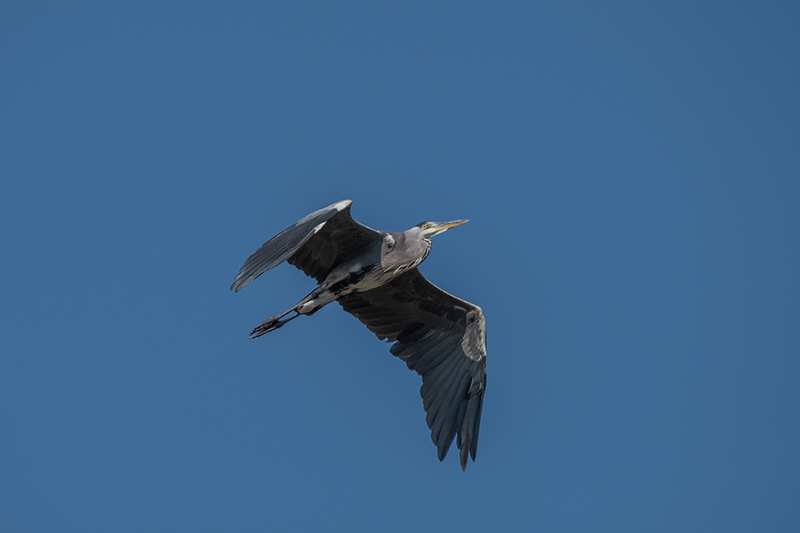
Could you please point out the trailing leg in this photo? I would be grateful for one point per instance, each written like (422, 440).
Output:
(307, 306)
(271, 324)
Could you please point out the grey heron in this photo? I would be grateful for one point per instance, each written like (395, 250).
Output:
(374, 276)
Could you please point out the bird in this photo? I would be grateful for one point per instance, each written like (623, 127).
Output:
(374, 276)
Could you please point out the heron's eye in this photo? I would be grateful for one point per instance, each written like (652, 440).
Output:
(428, 225)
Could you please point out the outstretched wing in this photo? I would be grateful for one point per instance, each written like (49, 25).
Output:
(443, 339)
(316, 244)
(341, 238)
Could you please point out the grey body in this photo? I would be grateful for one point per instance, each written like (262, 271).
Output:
(374, 276)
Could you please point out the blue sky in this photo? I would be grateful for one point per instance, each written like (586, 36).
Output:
(631, 174)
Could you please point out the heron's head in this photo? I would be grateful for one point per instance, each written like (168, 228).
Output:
(429, 229)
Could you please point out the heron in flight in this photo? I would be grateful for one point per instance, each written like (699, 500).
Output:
(374, 276)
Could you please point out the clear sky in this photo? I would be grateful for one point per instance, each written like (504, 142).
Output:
(631, 173)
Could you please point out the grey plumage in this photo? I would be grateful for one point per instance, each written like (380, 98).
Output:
(374, 276)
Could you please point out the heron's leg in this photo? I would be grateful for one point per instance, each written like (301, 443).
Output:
(271, 324)
(309, 305)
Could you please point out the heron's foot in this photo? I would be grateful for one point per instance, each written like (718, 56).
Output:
(271, 324)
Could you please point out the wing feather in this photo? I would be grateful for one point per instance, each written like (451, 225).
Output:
(340, 239)
(316, 245)
(442, 338)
